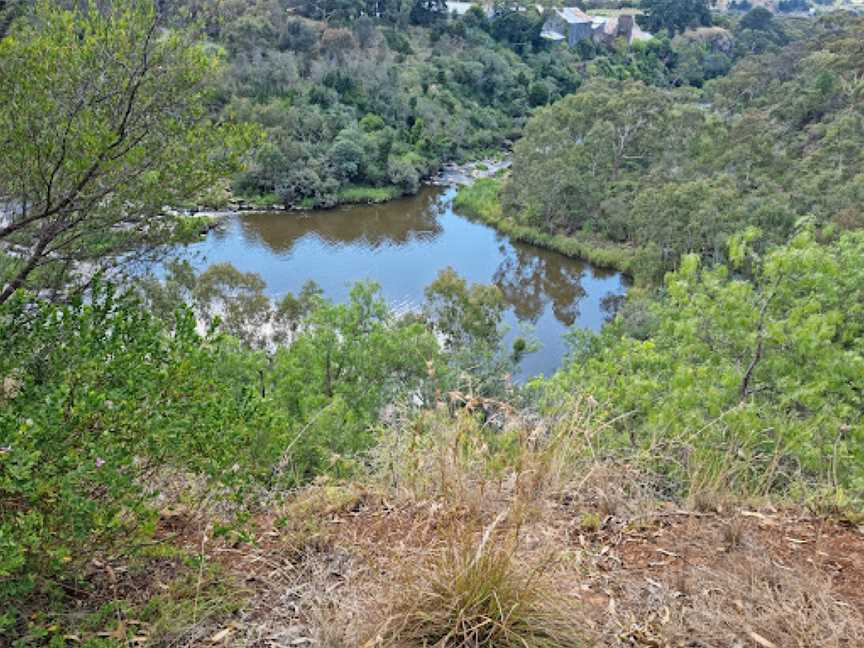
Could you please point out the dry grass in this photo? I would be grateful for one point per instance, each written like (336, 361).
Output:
(467, 594)
(522, 534)
(746, 601)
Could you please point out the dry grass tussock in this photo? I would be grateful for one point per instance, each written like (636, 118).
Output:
(465, 536)
(468, 593)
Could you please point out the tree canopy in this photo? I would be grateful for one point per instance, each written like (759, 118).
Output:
(87, 160)
(760, 379)
(775, 141)
(675, 16)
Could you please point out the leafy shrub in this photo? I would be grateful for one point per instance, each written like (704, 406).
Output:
(99, 396)
(748, 386)
(103, 398)
(403, 174)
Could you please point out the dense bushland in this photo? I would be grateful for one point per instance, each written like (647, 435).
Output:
(100, 398)
(740, 385)
(776, 142)
(742, 375)
(361, 104)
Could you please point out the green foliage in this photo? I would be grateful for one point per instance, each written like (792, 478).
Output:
(98, 398)
(465, 316)
(482, 200)
(749, 386)
(581, 146)
(468, 320)
(744, 374)
(673, 15)
(89, 159)
(333, 380)
(350, 194)
(778, 140)
(758, 18)
(383, 103)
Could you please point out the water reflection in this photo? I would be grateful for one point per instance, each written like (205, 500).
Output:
(531, 278)
(370, 226)
(402, 246)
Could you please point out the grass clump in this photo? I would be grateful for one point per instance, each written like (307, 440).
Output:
(362, 194)
(471, 595)
(481, 201)
(590, 522)
(263, 201)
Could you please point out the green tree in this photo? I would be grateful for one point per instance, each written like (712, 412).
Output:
(758, 18)
(465, 315)
(675, 16)
(538, 93)
(468, 318)
(88, 160)
(573, 151)
(750, 385)
(348, 362)
(236, 300)
(517, 24)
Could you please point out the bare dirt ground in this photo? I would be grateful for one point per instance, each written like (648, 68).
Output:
(633, 571)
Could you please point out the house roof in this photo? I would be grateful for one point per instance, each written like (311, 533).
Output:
(573, 15)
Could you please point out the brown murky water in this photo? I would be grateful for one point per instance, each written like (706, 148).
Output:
(403, 245)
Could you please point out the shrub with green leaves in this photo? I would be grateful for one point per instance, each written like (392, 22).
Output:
(749, 385)
(350, 361)
(98, 397)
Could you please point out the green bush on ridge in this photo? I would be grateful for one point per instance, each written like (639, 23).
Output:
(736, 385)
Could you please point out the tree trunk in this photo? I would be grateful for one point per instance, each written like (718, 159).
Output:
(30, 266)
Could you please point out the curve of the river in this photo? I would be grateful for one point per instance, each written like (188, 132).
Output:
(402, 245)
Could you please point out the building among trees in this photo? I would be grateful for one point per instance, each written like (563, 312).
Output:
(573, 25)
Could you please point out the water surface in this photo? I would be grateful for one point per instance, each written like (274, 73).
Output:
(403, 245)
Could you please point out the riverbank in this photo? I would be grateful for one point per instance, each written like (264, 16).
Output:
(480, 200)
(449, 174)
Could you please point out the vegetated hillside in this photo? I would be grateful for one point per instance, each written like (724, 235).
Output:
(361, 109)
(379, 104)
(169, 475)
(775, 143)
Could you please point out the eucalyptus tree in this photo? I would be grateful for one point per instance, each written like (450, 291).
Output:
(676, 16)
(105, 118)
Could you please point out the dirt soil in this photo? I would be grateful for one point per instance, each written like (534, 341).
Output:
(662, 577)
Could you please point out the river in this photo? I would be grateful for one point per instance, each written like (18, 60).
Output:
(402, 245)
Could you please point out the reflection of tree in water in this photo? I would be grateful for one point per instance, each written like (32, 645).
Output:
(529, 278)
(393, 223)
(611, 304)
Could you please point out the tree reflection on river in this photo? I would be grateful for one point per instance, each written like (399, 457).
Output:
(402, 245)
(371, 227)
(530, 278)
